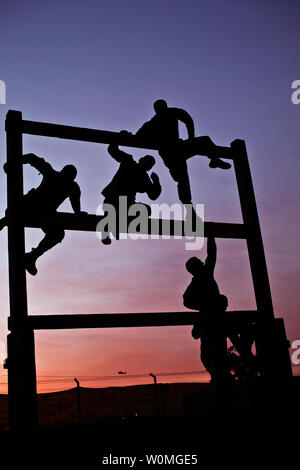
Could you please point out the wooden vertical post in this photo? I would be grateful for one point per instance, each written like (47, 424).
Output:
(254, 239)
(21, 354)
(267, 340)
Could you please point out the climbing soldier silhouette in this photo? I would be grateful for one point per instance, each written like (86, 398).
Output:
(131, 178)
(163, 130)
(203, 294)
(55, 188)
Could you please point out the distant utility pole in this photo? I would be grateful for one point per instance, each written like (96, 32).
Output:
(78, 400)
(156, 392)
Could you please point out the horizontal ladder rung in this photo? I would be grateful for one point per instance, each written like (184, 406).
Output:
(127, 320)
(161, 227)
(99, 136)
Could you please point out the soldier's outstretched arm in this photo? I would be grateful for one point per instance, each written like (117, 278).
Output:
(75, 198)
(30, 158)
(154, 188)
(118, 154)
(145, 130)
(184, 117)
(37, 162)
(211, 259)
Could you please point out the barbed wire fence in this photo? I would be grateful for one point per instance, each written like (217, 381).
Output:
(69, 379)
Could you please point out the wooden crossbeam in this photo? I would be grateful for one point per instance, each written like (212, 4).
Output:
(99, 136)
(129, 320)
(88, 222)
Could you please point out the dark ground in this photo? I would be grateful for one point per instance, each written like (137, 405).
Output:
(265, 436)
(235, 441)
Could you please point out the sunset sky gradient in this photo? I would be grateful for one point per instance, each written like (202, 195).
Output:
(102, 64)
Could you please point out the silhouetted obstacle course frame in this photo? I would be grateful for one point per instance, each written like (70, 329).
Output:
(128, 320)
(271, 342)
(89, 223)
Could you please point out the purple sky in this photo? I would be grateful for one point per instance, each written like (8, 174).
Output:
(101, 64)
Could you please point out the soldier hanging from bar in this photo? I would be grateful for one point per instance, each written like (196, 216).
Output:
(203, 294)
(55, 188)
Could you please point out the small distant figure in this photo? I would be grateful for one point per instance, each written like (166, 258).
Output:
(131, 178)
(163, 130)
(55, 188)
(203, 294)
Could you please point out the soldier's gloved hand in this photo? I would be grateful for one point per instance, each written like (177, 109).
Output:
(196, 332)
(9, 166)
(124, 133)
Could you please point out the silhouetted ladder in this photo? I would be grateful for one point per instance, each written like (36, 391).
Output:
(271, 343)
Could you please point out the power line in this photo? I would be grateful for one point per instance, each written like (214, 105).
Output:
(91, 378)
